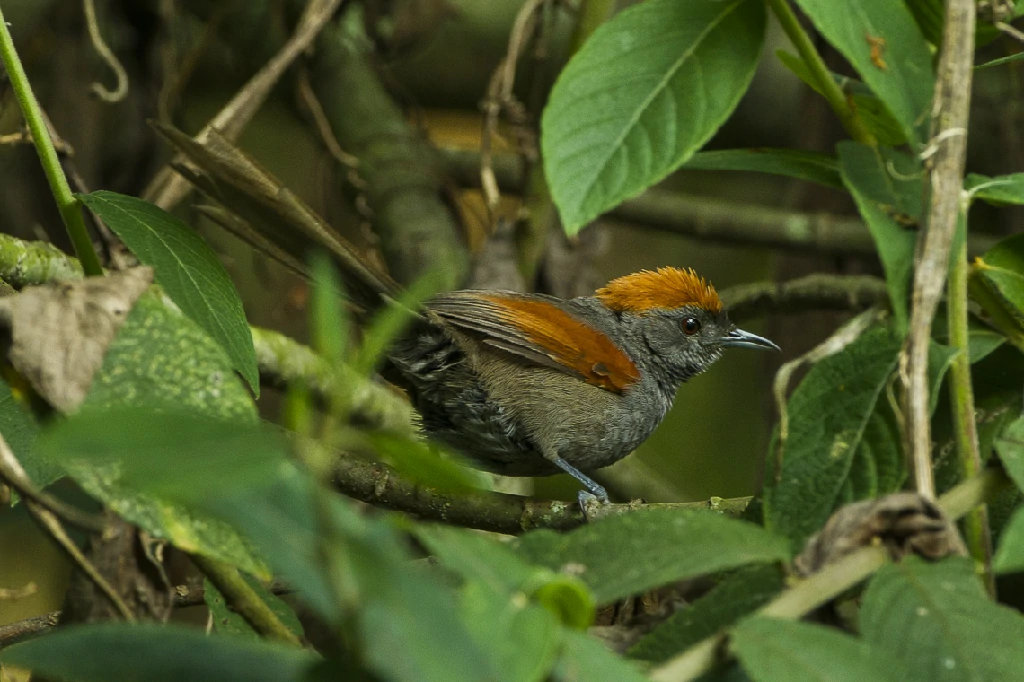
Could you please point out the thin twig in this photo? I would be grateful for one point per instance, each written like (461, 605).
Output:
(947, 153)
(108, 57)
(51, 524)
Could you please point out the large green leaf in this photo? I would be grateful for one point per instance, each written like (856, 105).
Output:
(161, 357)
(208, 455)
(881, 41)
(736, 596)
(674, 545)
(828, 413)
(774, 650)
(934, 623)
(886, 185)
(646, 90)
(155, 653)
(186, 268)
(794, 163)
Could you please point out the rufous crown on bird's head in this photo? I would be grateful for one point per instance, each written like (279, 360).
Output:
(664, 289)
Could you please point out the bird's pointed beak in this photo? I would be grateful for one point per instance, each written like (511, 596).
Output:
(738, 338)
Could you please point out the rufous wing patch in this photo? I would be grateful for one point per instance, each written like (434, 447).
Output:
(540, 331)
(664, 288)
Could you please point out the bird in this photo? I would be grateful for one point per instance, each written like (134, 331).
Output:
(533, 385)
(520, 384)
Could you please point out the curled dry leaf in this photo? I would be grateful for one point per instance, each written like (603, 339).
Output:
(60, 331)
(905, 523)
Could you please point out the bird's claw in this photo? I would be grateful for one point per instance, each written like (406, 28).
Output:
(591, 501)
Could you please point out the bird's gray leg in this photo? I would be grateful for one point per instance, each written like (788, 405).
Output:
(593, 488)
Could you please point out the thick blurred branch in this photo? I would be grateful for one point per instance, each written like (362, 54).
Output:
(709, 218)
(946, 156)
(402, 184)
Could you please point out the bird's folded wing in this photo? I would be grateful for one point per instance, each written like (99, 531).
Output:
(541, 332)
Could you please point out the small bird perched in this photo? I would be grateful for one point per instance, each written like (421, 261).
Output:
(533, 385)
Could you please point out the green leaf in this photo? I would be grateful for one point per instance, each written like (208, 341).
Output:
(674, 545)
(737, 595)
(872, 111)
(794, 163)
(522, 640)
(186, 268)
(886, 185)
(155, 653)
(327, 316)
(934, 623)
(1010, 446)
(161, 357)
(20, 429)
(494, 564)
(1009, 557)
(775, 650)
(828, 413)
(1000, 190)
(997, 283)
(885, 46)
(647, 89)
(584, 659)
(173, 454)
(226, 621)
(422, 462)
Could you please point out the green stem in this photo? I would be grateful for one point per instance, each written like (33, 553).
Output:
(976, 529)
(67, 204)
(245, 601)
(827, 85)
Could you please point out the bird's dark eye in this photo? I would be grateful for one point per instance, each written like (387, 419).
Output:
(691, 325)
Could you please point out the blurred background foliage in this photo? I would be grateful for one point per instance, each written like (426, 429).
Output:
(185, 58)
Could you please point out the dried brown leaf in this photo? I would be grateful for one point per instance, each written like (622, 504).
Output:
(60, 331)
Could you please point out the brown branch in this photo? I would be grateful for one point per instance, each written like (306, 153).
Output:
(946, 156)
(375, 484)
